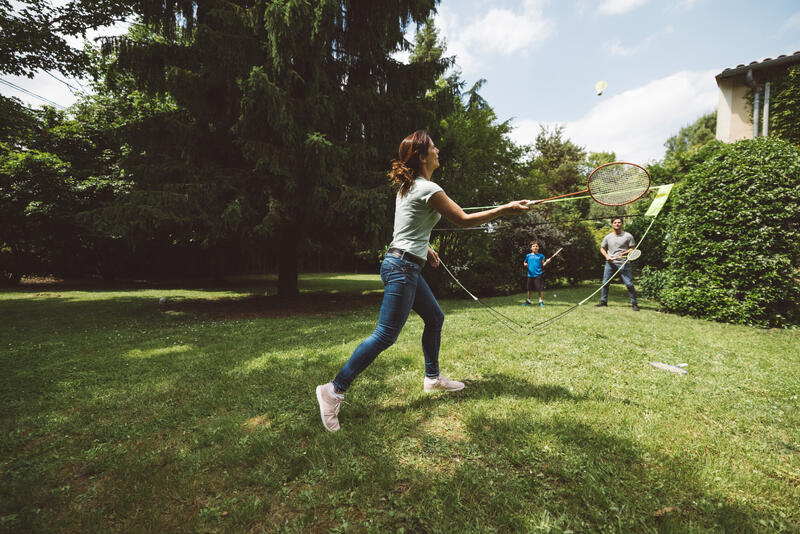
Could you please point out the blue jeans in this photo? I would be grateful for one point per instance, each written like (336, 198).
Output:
(405, 289)
(627, 278)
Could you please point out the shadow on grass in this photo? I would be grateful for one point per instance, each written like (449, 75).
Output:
(184, 413)
(503, 385)
(515, 472)
(590, 477)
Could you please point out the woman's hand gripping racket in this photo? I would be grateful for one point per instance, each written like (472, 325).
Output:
(613, 184)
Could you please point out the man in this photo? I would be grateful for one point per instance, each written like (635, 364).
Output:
(614, 246)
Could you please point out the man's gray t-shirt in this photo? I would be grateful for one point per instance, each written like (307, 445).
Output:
(414, 219)
(615, 244)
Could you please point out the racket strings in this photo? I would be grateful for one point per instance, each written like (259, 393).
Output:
(618, 183)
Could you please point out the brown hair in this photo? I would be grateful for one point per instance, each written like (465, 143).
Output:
(407, 166)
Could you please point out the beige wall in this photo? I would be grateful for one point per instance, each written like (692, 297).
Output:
(733, 111)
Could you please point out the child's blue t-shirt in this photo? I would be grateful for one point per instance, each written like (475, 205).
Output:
(534, 262)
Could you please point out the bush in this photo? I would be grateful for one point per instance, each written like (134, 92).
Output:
(653, 245)
(479, 262)
(37, 198)
(734, 244)
(651, 281)
(578, 261)
(491, 263)
(784, 116)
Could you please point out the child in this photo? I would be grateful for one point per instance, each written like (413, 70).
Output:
(535, 263)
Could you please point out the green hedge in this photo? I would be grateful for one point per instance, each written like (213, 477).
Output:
(734, 239)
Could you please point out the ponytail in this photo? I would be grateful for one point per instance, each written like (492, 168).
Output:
(407, 166)
(401, 177)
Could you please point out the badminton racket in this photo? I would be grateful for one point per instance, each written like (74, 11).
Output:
(633, 255)
(554, 255)
(613, 184)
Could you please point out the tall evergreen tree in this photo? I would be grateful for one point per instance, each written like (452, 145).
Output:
(295, 104)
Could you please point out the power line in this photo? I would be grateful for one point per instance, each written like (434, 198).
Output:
(71, 87)
(31, 93)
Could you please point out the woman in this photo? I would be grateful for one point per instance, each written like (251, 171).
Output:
(419, 205)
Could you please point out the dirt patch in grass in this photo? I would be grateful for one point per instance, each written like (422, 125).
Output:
(258, 422)
(266, 306)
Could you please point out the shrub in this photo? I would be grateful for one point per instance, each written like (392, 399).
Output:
(491, 263)
(579, 260)
(734, 244)
(651, 281)
(784, 115)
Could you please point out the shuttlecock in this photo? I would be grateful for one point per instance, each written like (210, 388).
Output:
(600, 86)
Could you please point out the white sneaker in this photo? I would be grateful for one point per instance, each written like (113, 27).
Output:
(329, 404)
(441, 383)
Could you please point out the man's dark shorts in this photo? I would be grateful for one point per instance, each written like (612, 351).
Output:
(535, 284)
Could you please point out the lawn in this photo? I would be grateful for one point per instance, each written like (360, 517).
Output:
(199, 415)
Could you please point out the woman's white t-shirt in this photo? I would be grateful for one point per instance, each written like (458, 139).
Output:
(414, 219)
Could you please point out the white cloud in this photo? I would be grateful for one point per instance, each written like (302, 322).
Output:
(619, 7)
(495, 32)
(792, 23)
(636, 123)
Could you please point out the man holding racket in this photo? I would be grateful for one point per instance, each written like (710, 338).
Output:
(613, 247)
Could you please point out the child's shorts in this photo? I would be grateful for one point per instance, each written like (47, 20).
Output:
(535, 284)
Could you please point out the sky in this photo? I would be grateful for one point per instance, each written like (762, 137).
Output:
(542, 58)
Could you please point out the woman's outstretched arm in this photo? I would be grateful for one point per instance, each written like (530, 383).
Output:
(453, 212)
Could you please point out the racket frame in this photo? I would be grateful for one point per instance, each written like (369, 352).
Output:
(554, 254)
(589, 188)
(644, 192)
(633, 255)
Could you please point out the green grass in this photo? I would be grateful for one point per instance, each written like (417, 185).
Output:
(123, 415)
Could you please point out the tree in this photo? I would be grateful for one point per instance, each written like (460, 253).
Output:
(37, 196)
(693, 136)
(293, 101)
(479, 165)
(558, 162)
(34, 37)
(18, 124)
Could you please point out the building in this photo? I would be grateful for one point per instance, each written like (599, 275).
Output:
(737, 118)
